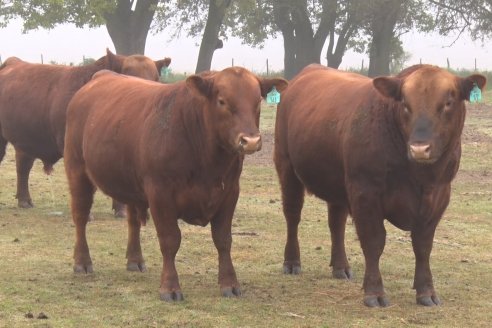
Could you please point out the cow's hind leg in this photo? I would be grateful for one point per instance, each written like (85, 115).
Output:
(82, 193)
(292, 202)
(23, 163)
(135, 260)
(337, 218)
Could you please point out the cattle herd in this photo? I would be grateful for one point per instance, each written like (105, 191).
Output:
(375, 149)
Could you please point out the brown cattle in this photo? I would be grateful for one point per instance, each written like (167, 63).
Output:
(33, 104)
(383, 148)
(177, 149)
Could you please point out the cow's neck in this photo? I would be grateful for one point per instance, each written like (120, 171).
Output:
(83, 74)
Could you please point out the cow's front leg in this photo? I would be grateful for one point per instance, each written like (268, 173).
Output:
(169, 234)
(369, 223)
(372, 236)
(221, 235)
(135, 260)
(422, 239)
(23, 163)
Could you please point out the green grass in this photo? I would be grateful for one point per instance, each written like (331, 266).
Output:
(36, 248)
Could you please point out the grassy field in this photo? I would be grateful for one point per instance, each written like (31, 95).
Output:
(36, 247)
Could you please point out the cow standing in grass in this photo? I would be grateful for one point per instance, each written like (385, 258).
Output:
(177, 149)
(383, 148)
(33, 104)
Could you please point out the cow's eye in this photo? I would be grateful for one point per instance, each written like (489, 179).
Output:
(406, 109)
(221, 102)
(448, 105)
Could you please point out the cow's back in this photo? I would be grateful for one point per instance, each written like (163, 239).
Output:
(100, 112)
(314, 117)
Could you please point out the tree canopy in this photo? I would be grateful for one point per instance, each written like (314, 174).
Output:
(372, 26)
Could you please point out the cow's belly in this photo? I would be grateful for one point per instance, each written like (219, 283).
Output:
(198, 205)
(37, 144)
(321, 174)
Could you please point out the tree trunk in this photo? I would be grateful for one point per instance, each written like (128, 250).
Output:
(210, 41)
(128, 28)
(302, 47)
(382, 30)
(282, 19)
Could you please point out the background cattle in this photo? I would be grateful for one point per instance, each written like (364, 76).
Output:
(383, 148)
(33, 104)
(177, 149)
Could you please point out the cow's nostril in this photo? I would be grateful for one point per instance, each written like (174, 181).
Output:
(242, 142)
(249, 144)
(420, 151)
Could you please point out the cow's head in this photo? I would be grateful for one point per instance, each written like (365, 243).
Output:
(233, 98)
(431, 107)
(137, 65)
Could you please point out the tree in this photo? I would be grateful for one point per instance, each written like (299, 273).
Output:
(382, 24)
(459, 16)
(127, 21)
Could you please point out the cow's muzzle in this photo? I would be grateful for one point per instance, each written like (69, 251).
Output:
(420, 152)
(249, 145)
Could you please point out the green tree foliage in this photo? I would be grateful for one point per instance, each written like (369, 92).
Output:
(460, 16)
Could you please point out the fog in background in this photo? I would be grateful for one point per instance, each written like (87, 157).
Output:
(67, 44)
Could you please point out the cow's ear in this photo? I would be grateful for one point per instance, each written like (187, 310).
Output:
(162, 63)
(200, 85)
(466, 84)
(389, 87)
(267, 85)
(115, 62)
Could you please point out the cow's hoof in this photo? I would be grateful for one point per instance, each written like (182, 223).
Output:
(175, 296)
(136, 266)
(428, 300)
(231, 292)
(292, 268)
(80, 268)
(25, 204)
(344, 274)
(376, 301)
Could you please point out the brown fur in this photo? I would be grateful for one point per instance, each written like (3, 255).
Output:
(172, 148)
(33, 102)
(358, 144)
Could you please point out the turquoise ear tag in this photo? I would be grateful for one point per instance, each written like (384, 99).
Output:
(165, 71)
(475, 94)
(273, 97)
